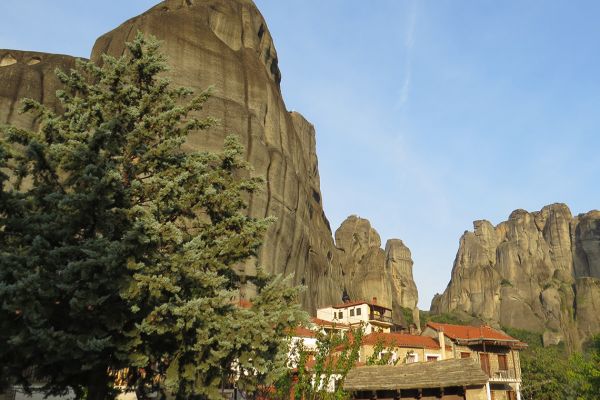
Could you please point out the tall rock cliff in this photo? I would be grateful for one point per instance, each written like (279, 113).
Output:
(28, 74)
(370, 271)
(226, 44)
(538, 271)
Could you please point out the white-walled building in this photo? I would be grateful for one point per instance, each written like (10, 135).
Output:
(373, 317)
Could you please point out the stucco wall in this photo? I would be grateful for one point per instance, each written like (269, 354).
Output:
(478, 393)
(401, 353)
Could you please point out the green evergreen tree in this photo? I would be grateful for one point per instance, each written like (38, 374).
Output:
(117, 247)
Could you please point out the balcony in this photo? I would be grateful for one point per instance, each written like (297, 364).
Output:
(503, 376)
(387, 319)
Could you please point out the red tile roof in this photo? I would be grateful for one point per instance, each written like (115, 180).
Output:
(401, 340)
(303, 332)
(473, 333)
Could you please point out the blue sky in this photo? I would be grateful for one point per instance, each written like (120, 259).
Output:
(429, 114)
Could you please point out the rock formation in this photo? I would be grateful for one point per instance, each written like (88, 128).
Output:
(227, 45)
(399, 263)
(369, 271)
(538, 271)
(28, 74)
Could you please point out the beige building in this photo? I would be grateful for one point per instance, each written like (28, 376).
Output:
(495, 352)
(404, 348)
(373, 317)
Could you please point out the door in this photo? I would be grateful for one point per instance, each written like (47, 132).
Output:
(484, 359)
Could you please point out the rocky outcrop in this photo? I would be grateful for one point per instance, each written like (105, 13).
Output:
(363, 261)
(588, 306)
(399, 266)
(369, 271)
(227, 45)
(28, 74)
(538, 271)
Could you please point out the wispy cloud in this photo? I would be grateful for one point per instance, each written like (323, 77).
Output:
(409, 43)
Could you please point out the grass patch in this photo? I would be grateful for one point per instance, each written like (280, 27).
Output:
(447, 318)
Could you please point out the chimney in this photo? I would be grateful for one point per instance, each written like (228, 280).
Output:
(442, 341)
(374, 300)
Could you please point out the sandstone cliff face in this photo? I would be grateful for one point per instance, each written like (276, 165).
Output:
(227, 45)
(399, 265)
(369, 271)
(537, 271)
(28, 74)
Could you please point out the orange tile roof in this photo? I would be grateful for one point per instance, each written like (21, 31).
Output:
(401, 340)
(468, 332)
(303, 332)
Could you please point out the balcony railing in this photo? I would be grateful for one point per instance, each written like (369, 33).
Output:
(503, 376)
(380, 318)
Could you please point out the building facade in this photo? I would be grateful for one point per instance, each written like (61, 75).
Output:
(404, 348)
(496, 353)
(372, 316)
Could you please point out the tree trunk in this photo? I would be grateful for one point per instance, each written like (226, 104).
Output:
(98, 385)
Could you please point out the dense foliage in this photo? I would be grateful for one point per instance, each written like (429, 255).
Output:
(117, 247)
(447, 318)
(584, 371)
(551, 373)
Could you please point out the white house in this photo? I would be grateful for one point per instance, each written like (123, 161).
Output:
(373, 317)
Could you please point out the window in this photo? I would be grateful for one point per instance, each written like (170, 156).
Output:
(352, 312)
(502, 362)
(390, 356)
(341, 315)
(358, 311)
(411, 358)
(465, 354)
(432, 357)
